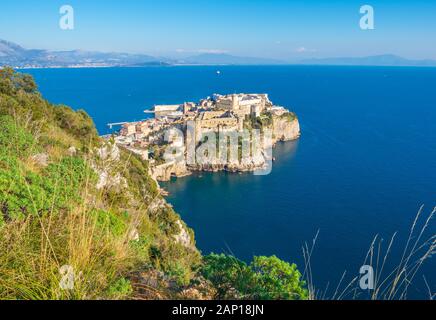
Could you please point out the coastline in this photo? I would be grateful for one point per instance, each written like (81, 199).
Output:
(225, 65)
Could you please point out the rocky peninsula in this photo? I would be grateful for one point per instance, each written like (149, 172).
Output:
(232, 133)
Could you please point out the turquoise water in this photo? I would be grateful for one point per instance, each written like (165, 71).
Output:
(364, 165)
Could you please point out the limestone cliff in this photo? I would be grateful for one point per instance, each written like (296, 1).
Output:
(285, 128)
(165, 171)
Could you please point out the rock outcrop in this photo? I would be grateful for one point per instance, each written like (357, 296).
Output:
(183, 236)
(165, 171)
(41, 159)
(285, 128)
(105, 165)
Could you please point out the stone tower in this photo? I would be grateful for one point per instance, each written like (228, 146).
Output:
(235, 102)
(262, 103)
(185, 108)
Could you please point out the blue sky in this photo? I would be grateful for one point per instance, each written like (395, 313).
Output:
(264, 28)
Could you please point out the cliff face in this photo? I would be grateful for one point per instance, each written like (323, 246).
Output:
(165, 171)
(285, 128)
(247, 165)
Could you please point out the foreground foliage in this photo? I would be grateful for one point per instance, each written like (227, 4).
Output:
(57, 226)
(266, 278)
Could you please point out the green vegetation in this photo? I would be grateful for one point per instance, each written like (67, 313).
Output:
(54, 189)
(68, 201)
(53, 215)
(267, 278)
(265, 120)
(290, 116)
(121, 288)
(157, 153)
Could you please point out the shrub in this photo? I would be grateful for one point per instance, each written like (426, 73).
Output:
(226, 273)
(290, 116)
(119, 289)
(78, 124)
(115, 224)
(276, 279)
(11, 82)
(265, 278)
(24, 192)
(14, 139)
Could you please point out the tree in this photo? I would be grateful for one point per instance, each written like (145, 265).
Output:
(226, 274)
(11, 81)
(6, 84)
(266, 278)
(277, 279)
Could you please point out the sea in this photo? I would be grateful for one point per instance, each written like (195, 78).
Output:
(364, 166)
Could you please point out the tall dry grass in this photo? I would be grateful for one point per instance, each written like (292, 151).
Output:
(34, 249)
(392, 277)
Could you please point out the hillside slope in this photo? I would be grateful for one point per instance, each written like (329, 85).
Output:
(68, 199)
(15, 55)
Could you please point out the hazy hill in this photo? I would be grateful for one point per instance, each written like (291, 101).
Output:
(17, 56)
(227, 59)
(379, 60)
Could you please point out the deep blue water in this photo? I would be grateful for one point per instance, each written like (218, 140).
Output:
(365, 163)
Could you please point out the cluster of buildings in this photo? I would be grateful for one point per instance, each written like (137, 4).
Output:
(219, 112)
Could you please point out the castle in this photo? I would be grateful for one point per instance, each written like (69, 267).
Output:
(216, 114)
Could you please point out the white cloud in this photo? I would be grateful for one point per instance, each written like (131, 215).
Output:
(213, 51)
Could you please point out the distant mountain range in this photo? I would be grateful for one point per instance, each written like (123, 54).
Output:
(226, 59)
(16, 56)
(380, 60)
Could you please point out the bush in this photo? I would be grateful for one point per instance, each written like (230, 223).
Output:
(121, 288)
(290, 116)
(11, 82)
(276, 279)
(15, 140)
(226, 273)
(78, 124)
(108, 220)
(266, 278)
(24, 192)
(139, 180)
